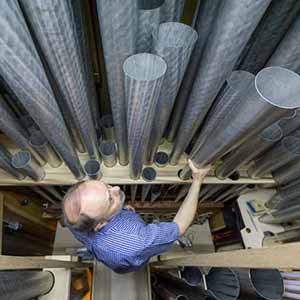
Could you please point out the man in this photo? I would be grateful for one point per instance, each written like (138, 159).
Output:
(117, 236)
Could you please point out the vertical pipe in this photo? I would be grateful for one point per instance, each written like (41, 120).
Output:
(133, 191)
(92, 168)
(145, 191)
(182, 192)
(22, 160)
(63, 56)
(107, 126)
(174, 42)
(155, 192)
(21, 68)
(172, 11)
(118, 21)
(144, 75)
(221, 52)
(109, 154)
(161, 159)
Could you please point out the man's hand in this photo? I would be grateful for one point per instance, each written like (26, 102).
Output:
(129, 207)
(198, 174)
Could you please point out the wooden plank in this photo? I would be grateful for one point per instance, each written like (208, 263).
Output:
(280, 257)
(1, 221)
(26, 262)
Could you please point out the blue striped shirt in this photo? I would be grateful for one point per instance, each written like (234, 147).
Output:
(127, 243)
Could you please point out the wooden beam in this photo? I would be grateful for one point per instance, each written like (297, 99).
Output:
(279, 257)
(23, 262)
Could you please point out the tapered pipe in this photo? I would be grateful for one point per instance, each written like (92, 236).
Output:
(118, 21)
(23, 161)
(212, 191)
(283, 153)
(66, 64)
(107, 126)
(53, 191)
(288, 125)
(21, 68)
(182, 192)
(155, 192)
(264, 103)
(145, 191)
(144, 74)
(92, 168)
(287, 173)
(287, 52)
(191, 275)
(203, 25)
(260, 283)
(172, 11)
(248, 151)
(221, 52)
(148, 21)
(23, 285)
(42, 193)
(161, 159)
(174, 42)
(169, 293)
(39, 142)
(133, 191)
(268, 34)
(108, 152)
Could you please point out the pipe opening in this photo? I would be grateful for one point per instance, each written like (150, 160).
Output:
(268, 283)
(235, 176)
(161, 158)
(107, 148)
(149, 174)
(150, 4)
(92, 167)
(251, 186)
(144, 67)
(184, 175)
(37, 139)
(21, 159)
(272, 133)
(292, 144)
(192, 275)
(107, 121)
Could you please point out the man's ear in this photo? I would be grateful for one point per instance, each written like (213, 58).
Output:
(99, 226)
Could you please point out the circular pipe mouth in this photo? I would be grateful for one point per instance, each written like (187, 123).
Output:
(107, 121)
(192, 276)
(234, 176)
(272, 133)
(267, 283)
(37, 139)
(92, 167)
(145, 67)
(21, 159)
(107, 148)
(161, 158)
(149, 174)
(292, 144)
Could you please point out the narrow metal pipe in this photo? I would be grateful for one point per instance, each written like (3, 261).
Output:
(107, 126)
(212, 191)
(172, 11)
(118, 20)
(203, 25)
(144, 74)
(39, 142)
(108, 153)
(22, 160)
(42, 193)
(145, 191)
(182, 192)
(65, 63)
(288, 125)
(23, 285)
(294, 296)
(53, 191)
(21, 68)
(161, 159)
(248, 151)
(287, 173)
(155, 192)
(291, 282)
(92, 168)
(221, 52)
(133, 191)
(174, 42)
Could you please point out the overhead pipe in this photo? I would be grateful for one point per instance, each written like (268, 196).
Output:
(144, 74)
(53, 191)
(284, 152)
(248, 151)
(221, 52)
(161, 159)
(24, 73)
(145, 191)
(42, 193)
(65, 62)
(108, 152)
(213, 190)
(172, 11)
(148, 21)
(118, 20)
(133, 191)
(155, 192)
(107, 126)
(232, 190)
(260, 283)
(182, 192)
(40, 143)
(287, 52)
(174, 42)
(288, 125)
(93, 169)
(268, 34)
(287, 173)
(204, 20)
(24, 285)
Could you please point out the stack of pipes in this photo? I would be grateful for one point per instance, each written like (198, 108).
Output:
(291, 285)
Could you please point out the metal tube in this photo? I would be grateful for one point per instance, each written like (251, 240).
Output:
(107, 126)
(22, 160)
(133, 191)
(248, 151)
(288, 295)
(232, 190)
(42, 193)
(167, 293)
(182, 192)
(92, 169)
(65, 61)
(23, 285)
(118, 21)
(39, 142)
(288, 125)
(287, 173)
(108, 152)
(53, 191)
(293, 275)
(155, 192)
(268, 34)
(191, 275)
(264, 102)
(221, 52)
(145, 191)
(149, 174)
(203, 25)
(161, 159)
(174, 42)
(172, 11)
(21, 68)
(213, 190)
(144, 74)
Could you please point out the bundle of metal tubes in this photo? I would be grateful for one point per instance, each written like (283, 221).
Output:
(291, 285)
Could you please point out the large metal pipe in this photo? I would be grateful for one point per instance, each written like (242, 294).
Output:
(248, 151)
(271, 96)
(145, 191)
(174, 42)
(65, 62)
(118, 21)
(203, 25)
(108, 152)
(93, 169)
(52, 190)
(267, 35)
(172, 11)
(21, 68)
(284, 152)
(24, 285)
(260, 283)
(288, 125)
(107, 126)
(221, 52)
(148, 22)
(144, 74)
(287, 173)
